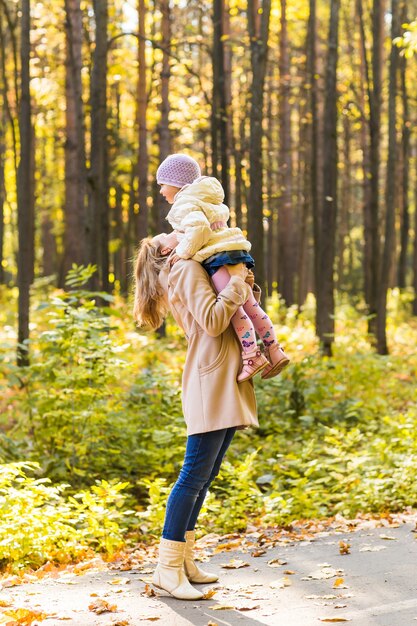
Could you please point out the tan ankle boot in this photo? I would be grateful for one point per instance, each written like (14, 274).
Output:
(253, 362)
(194, 573)
(277, 360)
(169, 573)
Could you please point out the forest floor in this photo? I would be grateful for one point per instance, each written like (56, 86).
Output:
(362, 571)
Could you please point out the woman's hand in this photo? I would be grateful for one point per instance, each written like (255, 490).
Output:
(238, 270)
(250, 279)
(173, 259)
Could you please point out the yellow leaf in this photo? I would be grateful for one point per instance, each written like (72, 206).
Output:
(102, 606)
(23, 617)
(277, 562)
(344, 548)
(235, 564)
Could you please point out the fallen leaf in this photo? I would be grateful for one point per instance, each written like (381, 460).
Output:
(338, 584)
(148, 591)
(119, 581)
(221, 607)
(329, 596)
(388, 537)
(224, 547)
(235, 564)
(209, 594)
(23, 617)
(280, 584)
(11, 581)
(258, 552)
(335, 619)
(277, 562)
(323, 574)
(344, 548)
(102, 606)
(372, 548)
(289, 572)
(340, 606)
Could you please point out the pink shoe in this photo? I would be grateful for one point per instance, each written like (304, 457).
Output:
(277, 360)
(253, 362)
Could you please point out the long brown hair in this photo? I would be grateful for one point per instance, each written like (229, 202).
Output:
(150, 303)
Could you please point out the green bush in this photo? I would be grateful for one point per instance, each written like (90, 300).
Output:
(82, 416)
(40, 522)
(102, 402)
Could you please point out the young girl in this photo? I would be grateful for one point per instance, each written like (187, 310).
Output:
(199, 219)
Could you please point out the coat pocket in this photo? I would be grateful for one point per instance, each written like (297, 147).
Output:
(212, 352)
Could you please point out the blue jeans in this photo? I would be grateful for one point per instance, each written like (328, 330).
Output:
(203, 456)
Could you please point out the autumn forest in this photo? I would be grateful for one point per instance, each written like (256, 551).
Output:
(305, 112)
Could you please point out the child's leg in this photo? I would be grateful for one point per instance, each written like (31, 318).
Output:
(260, 321)
(240, 321)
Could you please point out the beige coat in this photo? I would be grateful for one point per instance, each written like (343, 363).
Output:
(196, 207)
(211, 397)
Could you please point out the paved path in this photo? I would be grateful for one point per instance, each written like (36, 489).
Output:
(374, 585)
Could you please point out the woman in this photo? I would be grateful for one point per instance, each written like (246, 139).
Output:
(214, 404)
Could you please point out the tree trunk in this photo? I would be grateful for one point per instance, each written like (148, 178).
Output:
(304, 184)
(390, 186)
(25, 201)
(163, 128)
(415, 240)
(375, 103)
(258, 24)
(162, 206)
(286, 241)
(314, 157)
(142, 105)
(228, 109)
(78, 227)
(325, 291)
(48, 243)
(346, 202)
(271, 186)
(3, 122)
(219, 113)
(99, 234)
(406, 134)
(367, 212)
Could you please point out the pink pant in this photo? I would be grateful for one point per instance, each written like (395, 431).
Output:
(248, 318)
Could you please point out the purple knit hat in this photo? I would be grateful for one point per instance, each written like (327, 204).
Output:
(178, 170)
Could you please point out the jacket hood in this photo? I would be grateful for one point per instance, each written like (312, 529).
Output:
(206, 188)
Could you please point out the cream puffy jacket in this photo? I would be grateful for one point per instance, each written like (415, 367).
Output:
(195, 208)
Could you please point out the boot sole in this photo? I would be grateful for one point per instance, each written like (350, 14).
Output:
(262, 367)
(277, 369)
(176, 597)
